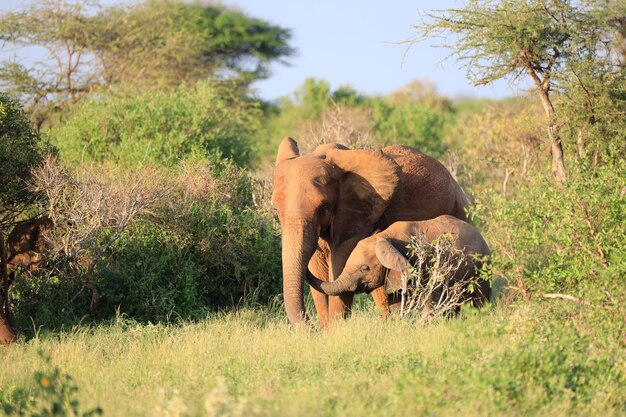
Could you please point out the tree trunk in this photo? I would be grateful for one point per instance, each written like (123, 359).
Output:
(580, 143)
(556, 148)
(558, 163)
(90, 284)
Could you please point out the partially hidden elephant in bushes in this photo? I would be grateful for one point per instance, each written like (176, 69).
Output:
(329, 200)
(23, 249)
(26, 244)
(381, 259)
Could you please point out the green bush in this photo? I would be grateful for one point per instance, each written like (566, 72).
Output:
(162, 127)
(565, 239)
(412, 124)
(557, 360)
(225, 258)
(21, 148)
(409, 118)
(153, 273)
(209, 245)
(55, 395)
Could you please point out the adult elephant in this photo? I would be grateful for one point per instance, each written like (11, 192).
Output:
(22, 249)
(331, 199)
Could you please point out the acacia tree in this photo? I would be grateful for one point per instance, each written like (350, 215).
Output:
(156, 43)
(66, 32)
(170, 41)
(542, 39)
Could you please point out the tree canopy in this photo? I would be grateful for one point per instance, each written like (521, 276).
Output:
(159, 43)
(20, 150)
(560, 45)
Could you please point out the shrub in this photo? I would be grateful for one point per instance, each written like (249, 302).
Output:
(90, 209)
(235, 237)
(569, 238)
(413, 116)
(413, 124)
(501, 146)
(208, 244)
(349, 126)
(211, 247)
(163, 127)
(54, 396)
(434, 287)
(21, 148)
(153, 274)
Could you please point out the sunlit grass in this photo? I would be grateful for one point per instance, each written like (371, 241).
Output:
(524, 360)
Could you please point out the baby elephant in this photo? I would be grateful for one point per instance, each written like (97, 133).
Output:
(381, 259)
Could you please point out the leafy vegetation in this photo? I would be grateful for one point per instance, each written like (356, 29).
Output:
(21, 149)
(135, 127)
(569, 240)
(562, 44)
(196, 242)
(160, 120)
(55, 396)
(415, 116)
(153, 43)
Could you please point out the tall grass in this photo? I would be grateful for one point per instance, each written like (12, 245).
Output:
(534, 359)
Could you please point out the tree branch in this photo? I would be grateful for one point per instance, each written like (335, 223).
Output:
(564, 297)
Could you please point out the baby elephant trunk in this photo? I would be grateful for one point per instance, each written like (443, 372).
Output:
(340, 286)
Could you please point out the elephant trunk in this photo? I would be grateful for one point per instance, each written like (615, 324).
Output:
(341, 286)
(298, 242)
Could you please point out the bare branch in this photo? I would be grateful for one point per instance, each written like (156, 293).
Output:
(564, 297)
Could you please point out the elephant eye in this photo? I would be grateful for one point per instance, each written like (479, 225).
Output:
(365, 268)
(323, 209)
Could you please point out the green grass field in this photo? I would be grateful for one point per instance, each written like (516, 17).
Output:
(544, 358)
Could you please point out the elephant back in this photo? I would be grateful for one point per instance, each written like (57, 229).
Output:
(427, 188)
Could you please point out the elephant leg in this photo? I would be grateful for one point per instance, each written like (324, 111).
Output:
(321, 305)
(318, 265)
(339, 307)
(482, 295)
(382, 300)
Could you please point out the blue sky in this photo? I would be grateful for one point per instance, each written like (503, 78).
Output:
(356, 43)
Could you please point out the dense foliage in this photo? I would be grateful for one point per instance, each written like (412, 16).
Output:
(569, 239)
(169, 42)
(415, 116)
(163, 127)
(161, 202)
(212, 248)
(152, 43)
(21, 149)
(204, 244)
(574, 47)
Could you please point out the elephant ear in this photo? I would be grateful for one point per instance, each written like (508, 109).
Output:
(367, 182)
(288, 149)
(390, 257)
(322, 150)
